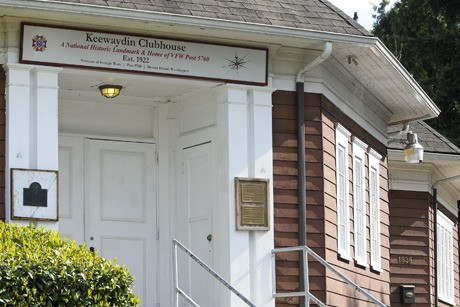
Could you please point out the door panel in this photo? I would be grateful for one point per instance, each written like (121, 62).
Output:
(194, 214)
(123, 185)
(120, 211)
(71, 190)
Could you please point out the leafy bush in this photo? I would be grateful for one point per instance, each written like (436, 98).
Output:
(39, 268)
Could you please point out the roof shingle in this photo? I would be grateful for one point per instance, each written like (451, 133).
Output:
(317, 15)
(431, 140)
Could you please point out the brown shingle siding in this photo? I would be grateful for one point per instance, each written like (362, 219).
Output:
(410, 237)
(321, 116)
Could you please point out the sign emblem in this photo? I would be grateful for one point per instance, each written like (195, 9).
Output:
(39, 43)
(237, 63)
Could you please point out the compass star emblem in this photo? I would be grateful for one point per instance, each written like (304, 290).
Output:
(39, 43)
(237, 63)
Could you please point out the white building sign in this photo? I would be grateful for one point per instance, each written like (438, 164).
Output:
(54, 46)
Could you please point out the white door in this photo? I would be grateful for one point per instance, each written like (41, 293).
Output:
(194, 220)
(119, 207)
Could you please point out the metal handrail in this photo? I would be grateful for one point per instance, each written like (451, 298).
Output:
(307, 295)
(179, 291)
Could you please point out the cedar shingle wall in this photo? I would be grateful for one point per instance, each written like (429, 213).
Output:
(412, 235)
(2, 142)
(376, 283)
(286, 199)
(320, 116)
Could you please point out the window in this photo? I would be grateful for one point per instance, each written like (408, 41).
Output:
(343, 220)
(374, 202)
(359, 201)
(445, 261)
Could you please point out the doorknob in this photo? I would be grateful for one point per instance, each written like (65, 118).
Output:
(209, 237)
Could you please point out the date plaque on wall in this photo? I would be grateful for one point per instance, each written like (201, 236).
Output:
(252, 198)
(34, 194)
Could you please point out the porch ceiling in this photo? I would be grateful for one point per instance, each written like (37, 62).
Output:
(74, 83)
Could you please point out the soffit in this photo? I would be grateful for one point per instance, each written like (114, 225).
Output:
(383, 79)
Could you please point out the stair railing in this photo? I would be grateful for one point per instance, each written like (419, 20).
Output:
(179, 291)
(306, 294)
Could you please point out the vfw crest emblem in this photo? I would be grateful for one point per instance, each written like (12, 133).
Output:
(39, 43)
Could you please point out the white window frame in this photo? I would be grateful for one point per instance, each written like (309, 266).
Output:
(342, 137)
(374, 207)
(359, 201)
(445, 259)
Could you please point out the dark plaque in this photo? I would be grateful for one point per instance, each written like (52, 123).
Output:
(35, 196)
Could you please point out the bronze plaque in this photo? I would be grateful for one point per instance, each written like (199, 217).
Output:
(252, 204)
(252, 192)
(252, 215)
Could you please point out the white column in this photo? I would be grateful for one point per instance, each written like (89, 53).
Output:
(261, 166)
(244, 150)
(31, 122)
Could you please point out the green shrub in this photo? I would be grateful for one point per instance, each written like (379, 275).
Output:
(39, 268)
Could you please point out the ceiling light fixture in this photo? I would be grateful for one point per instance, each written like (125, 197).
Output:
(110, 90)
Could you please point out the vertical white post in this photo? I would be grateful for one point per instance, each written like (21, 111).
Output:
(260, 166)
(31, 122)
(45, 89)
(245, 150)
(232, 124)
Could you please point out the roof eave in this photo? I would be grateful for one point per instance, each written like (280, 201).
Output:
(185, 20)
(420, 97)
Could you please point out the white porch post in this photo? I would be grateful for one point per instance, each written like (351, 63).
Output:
(245, 150)
(261, 166)
(31, 122)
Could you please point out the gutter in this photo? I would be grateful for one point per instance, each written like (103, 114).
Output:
(301, 180)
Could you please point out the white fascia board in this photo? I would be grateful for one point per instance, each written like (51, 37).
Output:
(382, 50)
(441, 157)
(200, 22)
(396, 154)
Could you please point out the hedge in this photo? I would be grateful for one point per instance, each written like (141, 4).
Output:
(39, 268)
